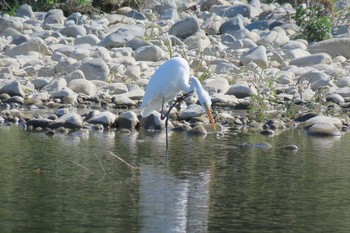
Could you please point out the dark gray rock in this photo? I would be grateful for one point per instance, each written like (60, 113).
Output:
(232, 25)
(25, 10)
(184, 28)
(127, 120)
(152, 122)
(113, 40)
(35, 123)
(13, 88)
(233, 11)
(260, 25)
(136, 15)
(73, 31)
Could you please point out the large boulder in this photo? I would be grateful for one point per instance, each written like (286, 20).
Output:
(35, 44)
(7, 22)
(314, 59)
(13, 88)
(323, 129)
(333, 47)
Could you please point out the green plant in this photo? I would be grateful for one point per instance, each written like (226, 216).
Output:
(314, 22)
(12, 9)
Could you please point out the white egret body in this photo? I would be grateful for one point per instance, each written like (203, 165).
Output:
(169, 80)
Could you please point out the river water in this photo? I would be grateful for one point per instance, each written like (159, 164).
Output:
(216, 183)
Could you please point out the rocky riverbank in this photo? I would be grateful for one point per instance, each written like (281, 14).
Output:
(257, 75)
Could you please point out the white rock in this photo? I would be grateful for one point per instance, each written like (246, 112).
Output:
(77, 74)
(105, 118)
(80, 53)
(83, 86)
(122, 100)
(197, 40)
(335, 98)
(95, 69)
(71, 120)
(344, 91)
(314, 59)
(55, 85)
(54, 16)
(193, 110)
(7, 22)
(325, 119)
(150, 53)
(33, 45)
(273, 38)
(343, 82)
(73, 31)
(323, 129)
(221, 84)
(333, 47)
(257, 55)
(242, 90)
(116, 88)
(66, 95)
(90, 39)
(296, 53)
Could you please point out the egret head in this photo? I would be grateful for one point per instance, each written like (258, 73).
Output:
(204, 99)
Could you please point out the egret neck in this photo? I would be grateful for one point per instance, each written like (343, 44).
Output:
(203, 98)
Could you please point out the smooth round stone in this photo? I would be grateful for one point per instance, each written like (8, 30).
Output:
(267, 132)
(323, 129)
(127, 120)
(185, 27)
(104, 118)
(290, 147)
(153, 122)
(62, 111)
(197, 130)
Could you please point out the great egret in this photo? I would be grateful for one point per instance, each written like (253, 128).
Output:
(170, 79)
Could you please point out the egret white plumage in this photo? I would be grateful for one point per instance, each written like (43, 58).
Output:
(169, 80)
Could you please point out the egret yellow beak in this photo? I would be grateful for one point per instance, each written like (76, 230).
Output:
(207, 108)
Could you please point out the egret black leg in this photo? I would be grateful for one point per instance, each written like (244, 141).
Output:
(166, 117)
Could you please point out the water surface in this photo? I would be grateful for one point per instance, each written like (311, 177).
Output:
(216, 183)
